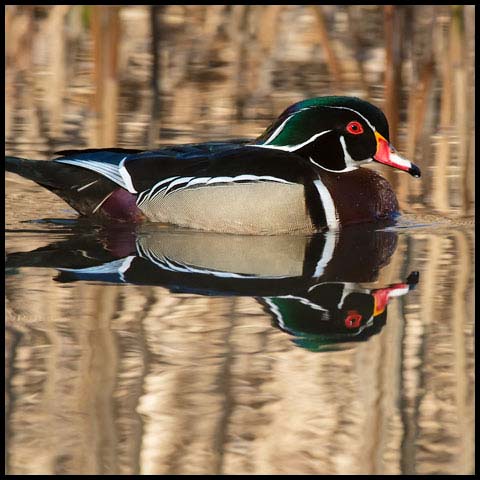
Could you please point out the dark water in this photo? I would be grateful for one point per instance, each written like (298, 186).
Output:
(158, 350)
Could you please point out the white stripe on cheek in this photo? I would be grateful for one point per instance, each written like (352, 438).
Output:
(353, 110)
(349, 161)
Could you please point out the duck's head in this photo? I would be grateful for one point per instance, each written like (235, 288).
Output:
(336, 134)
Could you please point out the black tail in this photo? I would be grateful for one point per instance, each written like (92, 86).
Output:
(31, 169)
(69, 182)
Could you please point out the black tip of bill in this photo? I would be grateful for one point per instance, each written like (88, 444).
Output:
(413, 279)
(414, 171)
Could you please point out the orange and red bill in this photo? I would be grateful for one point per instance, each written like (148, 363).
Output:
(387, 155)
(383, 295)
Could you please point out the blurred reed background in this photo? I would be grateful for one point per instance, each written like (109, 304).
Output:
(106, 379)
(146, 76)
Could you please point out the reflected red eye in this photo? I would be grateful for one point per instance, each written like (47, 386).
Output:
(355, 128)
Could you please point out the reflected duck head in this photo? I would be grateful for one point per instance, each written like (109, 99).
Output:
(334, 314)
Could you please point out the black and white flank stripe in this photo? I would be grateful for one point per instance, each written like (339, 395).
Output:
(176, 184)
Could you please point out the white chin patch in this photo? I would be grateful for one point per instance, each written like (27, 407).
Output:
(362, 162)
(350, 163)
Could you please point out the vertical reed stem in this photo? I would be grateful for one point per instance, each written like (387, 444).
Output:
(393, 66)
(106, 39)
(153, 128)
(333, 63)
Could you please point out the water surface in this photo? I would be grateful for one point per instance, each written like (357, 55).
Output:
(135, 349)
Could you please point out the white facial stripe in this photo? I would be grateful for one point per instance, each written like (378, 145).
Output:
(328, 205)
(348, 288)
(311, 139)
(275, 310)
(353, 110)
(292, 148)
(278, 130)
(305, 301)
(126, 176)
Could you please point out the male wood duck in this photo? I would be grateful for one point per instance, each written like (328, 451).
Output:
(301, 175)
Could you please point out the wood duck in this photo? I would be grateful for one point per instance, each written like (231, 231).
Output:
(301, 175)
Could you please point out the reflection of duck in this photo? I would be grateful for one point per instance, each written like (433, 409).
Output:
(335, 312)
(301, 175)
(309, 284)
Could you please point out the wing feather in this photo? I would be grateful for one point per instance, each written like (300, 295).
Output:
(108, 170)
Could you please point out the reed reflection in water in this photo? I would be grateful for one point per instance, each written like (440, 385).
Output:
(167, 382)
(104, 377)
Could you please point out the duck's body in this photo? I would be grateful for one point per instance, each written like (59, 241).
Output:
(299, 176)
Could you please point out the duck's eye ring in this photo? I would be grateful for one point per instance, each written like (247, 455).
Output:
(355, 128)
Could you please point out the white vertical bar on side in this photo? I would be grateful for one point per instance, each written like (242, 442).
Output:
(328, 205)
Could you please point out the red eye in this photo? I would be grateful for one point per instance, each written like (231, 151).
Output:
(355, 128)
